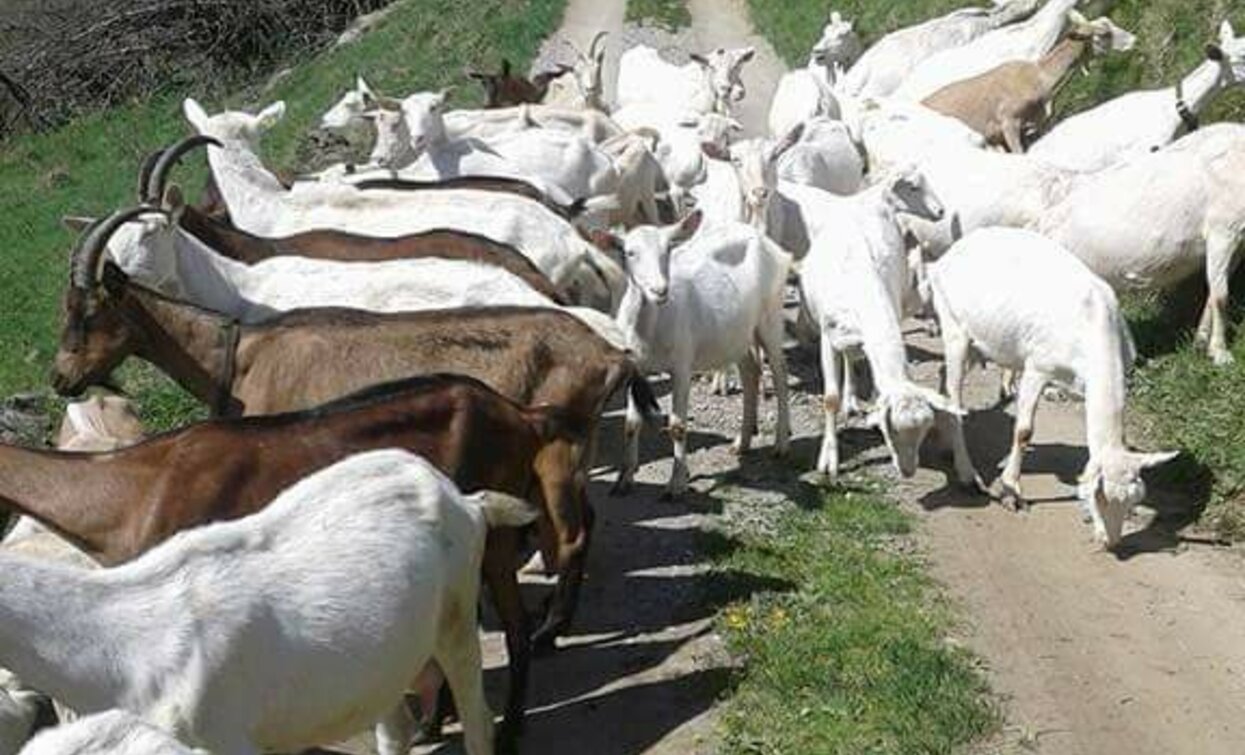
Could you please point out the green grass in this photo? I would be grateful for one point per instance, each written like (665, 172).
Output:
(89, 166)
(854, 659)
(672, 14)
(1179, 399)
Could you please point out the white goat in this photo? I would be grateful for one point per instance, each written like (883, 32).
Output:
(115, 732)
(809, 92)
(894, 133)
(1155, 220)
(156, 252)
(1028, 304)
(709, 84)
(348, 111)
(584, 88)
(892, 59)
(259, 204)
(853, 282)
(826, 157)
(1029, 41)
(256, 635)
(564, 165)
(684, 138)
(701, 304)
(1138, 123)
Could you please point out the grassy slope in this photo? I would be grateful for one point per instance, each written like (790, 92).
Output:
(672, 14)
(852, 659)
(89, 166)
(1179, 399)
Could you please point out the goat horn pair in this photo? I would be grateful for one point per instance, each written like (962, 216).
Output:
(144, 172)
(153, 189)
(88, 252)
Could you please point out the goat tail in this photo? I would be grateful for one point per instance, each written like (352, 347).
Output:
(502, 509)
(642, 394)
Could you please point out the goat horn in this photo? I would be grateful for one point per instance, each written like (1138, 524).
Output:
(160, 173)
(144, 172)
(89, 251)
(592, 47)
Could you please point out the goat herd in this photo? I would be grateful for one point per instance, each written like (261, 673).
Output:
(456, 313)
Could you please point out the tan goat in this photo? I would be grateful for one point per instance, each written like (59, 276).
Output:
(1005, 102)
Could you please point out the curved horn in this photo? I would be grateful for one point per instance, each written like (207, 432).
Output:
(592, 47)
(159, 174)
(144, 172)
(84, 265)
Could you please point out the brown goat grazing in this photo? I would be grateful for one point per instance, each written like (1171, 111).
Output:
(503, 89)
(530, 355)
(116, 505)
(1006, 102)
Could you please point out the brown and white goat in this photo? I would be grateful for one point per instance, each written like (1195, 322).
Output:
(116, 505)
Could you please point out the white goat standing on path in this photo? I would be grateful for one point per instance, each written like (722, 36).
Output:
(1156, 220)
(207, 634)
(700, 302)
(710, 83)
(890, 60)
(1028, 304)
(853, 283)
(1138, 123)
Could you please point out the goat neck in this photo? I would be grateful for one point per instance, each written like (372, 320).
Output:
(71, 494)
(1057, 65)
(211, 279)
(636, 318)
(1107, 357)
(195, 347)
(254, 196)
(1200, 87)
(66, 647)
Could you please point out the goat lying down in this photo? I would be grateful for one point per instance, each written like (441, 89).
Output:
(206, 635)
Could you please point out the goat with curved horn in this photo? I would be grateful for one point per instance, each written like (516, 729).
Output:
(171, 155)
(144, 172)
(87, 254)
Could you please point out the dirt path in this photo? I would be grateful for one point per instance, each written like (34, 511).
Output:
(1143, 653)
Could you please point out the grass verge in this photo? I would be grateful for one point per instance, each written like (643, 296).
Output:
(1179, 399)
(855, 658)
(89, 166)
(671, 14)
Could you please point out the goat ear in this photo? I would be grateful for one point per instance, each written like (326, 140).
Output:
(269, 116)
(687, 227)
(361, 86)
(747, 55)
(1227, 35)
(194, 113)
(790, 140)
(76, 223)
(444, 96)
(173, 200)
(1215, 52)
(1147, 460)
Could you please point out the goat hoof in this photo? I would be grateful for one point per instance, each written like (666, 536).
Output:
(1013, 501)
(1222, 358)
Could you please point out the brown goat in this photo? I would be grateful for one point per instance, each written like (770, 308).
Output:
(503, 89)
(116, 505)
(530, 355)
